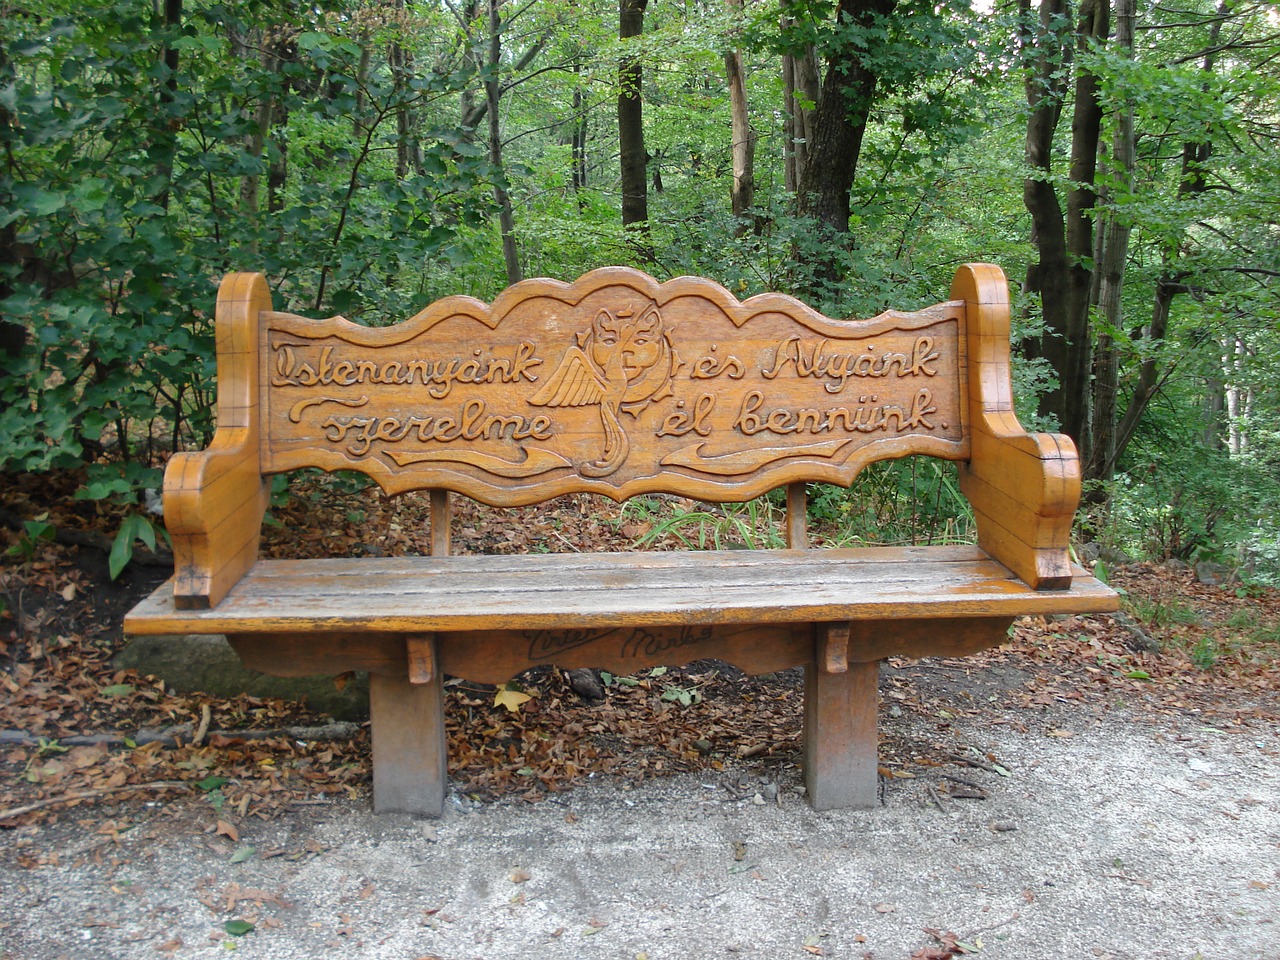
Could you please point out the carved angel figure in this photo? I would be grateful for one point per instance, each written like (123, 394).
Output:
(624, 362)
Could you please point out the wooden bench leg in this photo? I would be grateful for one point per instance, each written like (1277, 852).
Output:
(410, 748)
(840, 740)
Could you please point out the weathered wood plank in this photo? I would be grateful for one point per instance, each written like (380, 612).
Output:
(576, 592)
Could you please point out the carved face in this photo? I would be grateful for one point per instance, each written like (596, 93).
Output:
(634, 343)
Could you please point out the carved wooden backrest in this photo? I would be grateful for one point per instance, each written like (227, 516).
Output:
(614, 384)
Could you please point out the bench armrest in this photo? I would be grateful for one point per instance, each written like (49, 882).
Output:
(1024, 488)
(214, 499)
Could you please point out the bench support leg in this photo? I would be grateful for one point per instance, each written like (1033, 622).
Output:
(840, 739)
(409, 745)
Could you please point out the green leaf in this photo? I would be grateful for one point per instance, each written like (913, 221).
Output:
(38, 202)
(121, 554)
(1137, 675)
(242, 854)
(238, 928)
(136, 527)
(211, 783)
(117, 690)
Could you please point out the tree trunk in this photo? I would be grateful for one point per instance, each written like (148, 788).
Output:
(1218, 414)
(493, 92)
(632, 155)
(743, 137)
(578, 148)
(1115, 253)
(744, 143)
(13, 336)
(400, 60)
(471, 113)
(1149, 375)
(801, 90)
(271, 113)
(1062, 276)
(1195, 155)
(840, 122)
(164, 138)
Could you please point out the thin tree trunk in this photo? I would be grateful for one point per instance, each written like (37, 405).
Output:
(408, 149)
(1218, 414)
(493, 92)
(1115, 253)
(471, 113)
(278, 169)
(164, 138)
(1064, 242)
(801, 88)
(578, 148)
(13, 336)
(633, 157)
(1195, 155)
(743, 136)
(744, 143)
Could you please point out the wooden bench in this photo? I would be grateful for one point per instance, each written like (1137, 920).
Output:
(617, 385)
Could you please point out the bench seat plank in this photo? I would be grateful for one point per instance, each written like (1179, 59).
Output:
(561, 591)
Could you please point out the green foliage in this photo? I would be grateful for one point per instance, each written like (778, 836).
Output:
(910, 501)
(753, 525)
(129, 189)
(33, 533)
(291, 140)
(133, 528)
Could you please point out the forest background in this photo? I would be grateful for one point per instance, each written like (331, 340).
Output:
(1119, 158)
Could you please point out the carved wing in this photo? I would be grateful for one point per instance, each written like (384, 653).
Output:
(574, 384)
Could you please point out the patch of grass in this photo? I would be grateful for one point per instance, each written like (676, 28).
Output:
(1160, 612)
(1266, 633)
(754, 524)
(1242, 619)
(1206, 652)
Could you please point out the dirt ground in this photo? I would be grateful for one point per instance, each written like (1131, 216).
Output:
(1111, 836)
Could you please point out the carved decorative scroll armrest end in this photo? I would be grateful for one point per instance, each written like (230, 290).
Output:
(215, 499)
(1024, 487)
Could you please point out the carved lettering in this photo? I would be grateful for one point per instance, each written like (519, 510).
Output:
(474, 422)
(547, 644)
(712, 366)
(645, 643)
(439, 376)
(865, 418)
(682, 422)
(811, 360)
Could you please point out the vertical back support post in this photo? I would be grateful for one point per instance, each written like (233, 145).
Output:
(840, 704)
(406, 713)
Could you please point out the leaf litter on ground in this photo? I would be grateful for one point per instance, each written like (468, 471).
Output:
(1216, 659)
